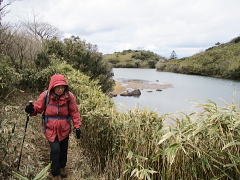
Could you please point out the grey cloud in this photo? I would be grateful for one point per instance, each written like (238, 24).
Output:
(88, 32)
(161, 26)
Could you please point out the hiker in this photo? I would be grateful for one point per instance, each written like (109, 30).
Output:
(59, 108)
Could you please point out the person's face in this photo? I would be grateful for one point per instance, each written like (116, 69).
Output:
(59, 90)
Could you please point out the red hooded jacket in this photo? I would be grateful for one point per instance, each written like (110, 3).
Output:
(57, 108)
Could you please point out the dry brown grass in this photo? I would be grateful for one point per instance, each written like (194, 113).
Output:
(118, 88)
(12, 114)
(79, 166)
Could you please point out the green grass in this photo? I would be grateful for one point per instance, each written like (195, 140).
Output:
(133, 59)
(220, 61)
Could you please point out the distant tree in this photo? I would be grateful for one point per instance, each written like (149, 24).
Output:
(20, 48)
(4, 37)
(41, 30)
(173, 55)
(235, 40)
(151, 63)
(217, 44)
(3, 9)
(137, 63)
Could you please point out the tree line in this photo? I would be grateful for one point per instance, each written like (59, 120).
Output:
(28, 47)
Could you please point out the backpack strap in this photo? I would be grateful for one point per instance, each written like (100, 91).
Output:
(46, 99)
(45, 118)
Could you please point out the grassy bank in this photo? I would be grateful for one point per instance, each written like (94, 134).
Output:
(118, 88)
(133, 59)
(219, 61)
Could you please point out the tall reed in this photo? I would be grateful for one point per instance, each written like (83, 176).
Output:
(203, 145)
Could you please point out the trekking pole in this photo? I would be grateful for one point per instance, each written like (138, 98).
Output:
(30, 103)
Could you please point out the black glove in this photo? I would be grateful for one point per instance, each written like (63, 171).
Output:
(29, 109)
(78, 133)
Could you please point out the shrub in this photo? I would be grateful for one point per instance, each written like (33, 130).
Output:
(9, 78)
(235, 40)
(42, 60)
(82, 56)
(151, 63)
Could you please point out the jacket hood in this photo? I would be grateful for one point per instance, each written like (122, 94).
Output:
(57, 80)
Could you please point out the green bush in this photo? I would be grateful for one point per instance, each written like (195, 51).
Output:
(145, 55)
(82, 56)
(133, 59)
(39, 80)
(42, 60)
(9, 78)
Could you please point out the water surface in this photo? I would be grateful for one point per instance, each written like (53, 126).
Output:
(186, 91)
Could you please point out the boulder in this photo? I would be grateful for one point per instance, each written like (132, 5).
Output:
(134, 92)
(112, 95)
(158, 89)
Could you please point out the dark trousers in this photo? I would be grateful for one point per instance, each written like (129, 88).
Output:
(58, 155)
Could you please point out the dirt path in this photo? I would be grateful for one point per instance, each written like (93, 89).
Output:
(78, 167)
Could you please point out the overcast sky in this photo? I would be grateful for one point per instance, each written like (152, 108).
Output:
(186, 26)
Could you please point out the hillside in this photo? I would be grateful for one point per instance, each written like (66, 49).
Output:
(133, 59)
(222, 61)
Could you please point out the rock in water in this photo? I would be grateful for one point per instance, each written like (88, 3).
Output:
(135, 92)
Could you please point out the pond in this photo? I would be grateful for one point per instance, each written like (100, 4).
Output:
(185, 92)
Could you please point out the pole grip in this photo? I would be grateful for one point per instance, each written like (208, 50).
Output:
(30, 102)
